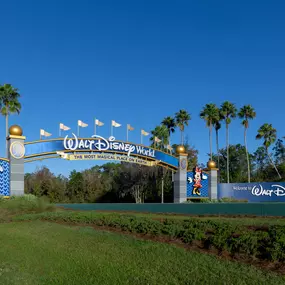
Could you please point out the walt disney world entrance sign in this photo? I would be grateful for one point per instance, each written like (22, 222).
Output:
(93, 148)
(98, 148)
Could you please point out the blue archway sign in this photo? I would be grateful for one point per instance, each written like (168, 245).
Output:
(75, 148)
(93, 148)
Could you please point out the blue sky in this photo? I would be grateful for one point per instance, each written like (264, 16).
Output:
(121, 59)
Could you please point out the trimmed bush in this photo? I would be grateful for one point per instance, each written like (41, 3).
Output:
(222, 236)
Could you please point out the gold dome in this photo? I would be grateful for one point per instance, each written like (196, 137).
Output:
(15, 130)
(180, 149)
(211, 164)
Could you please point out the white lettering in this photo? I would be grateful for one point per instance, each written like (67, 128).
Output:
(259, 191)
(103, 144)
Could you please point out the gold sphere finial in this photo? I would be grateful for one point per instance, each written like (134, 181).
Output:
(180, 149)
(15, 130)
(211, 164)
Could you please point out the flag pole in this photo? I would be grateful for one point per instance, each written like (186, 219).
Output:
(127, 133)
(77, 130)
(59, 131)
(111, 129)
(141, 138)
(95, 126)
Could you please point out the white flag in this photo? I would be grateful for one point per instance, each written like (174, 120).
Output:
(98, 123)
(63, 127)
(169, 147)
(81, 124)
(130, 128)
(44, 133)
(115, 124)
(143, 132)
(156, 139)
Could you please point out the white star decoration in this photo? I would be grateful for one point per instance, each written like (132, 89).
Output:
(1, 169)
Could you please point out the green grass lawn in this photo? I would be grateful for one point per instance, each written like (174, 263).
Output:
(46, 253)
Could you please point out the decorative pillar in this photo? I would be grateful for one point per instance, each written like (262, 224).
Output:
(180, 177)
(16, 157)
(213, 180)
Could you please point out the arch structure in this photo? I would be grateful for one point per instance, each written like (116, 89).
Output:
(187, 184)
(98, 148)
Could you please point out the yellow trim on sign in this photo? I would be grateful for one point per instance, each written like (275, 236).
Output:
(49, 140)
(42, 157)
(5, 159)
(17, 142)
(16, 137)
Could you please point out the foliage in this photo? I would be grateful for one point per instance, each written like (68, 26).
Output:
(49, 253)
(182, 118)
(224, 236)
(279, 150)
(111, 182)
(260, 165)
(211, 115)
(26, 204)
(246, 113)
(237, 161)
(227, 112)
(269, 135)
(161, 133)
(9, 100)
(169, 123)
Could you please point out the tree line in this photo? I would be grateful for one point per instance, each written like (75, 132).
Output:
(214, 117)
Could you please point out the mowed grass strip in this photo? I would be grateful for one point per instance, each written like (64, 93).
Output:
(46, 253)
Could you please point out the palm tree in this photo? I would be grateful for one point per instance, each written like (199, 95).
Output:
(160, 132)
(9, 103)
(182, 118)
(268, 133)
(217, 125)
(246, 113)
(210, 114)
(228, 111)
(169, 122)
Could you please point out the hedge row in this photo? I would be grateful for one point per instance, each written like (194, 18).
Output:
(259, 243)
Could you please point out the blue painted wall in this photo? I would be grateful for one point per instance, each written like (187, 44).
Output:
(4, 178)
(254, 192)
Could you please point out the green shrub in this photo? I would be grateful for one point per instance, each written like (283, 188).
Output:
(26, 203)
(232, 200)
(277, 243)
(220, 235)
